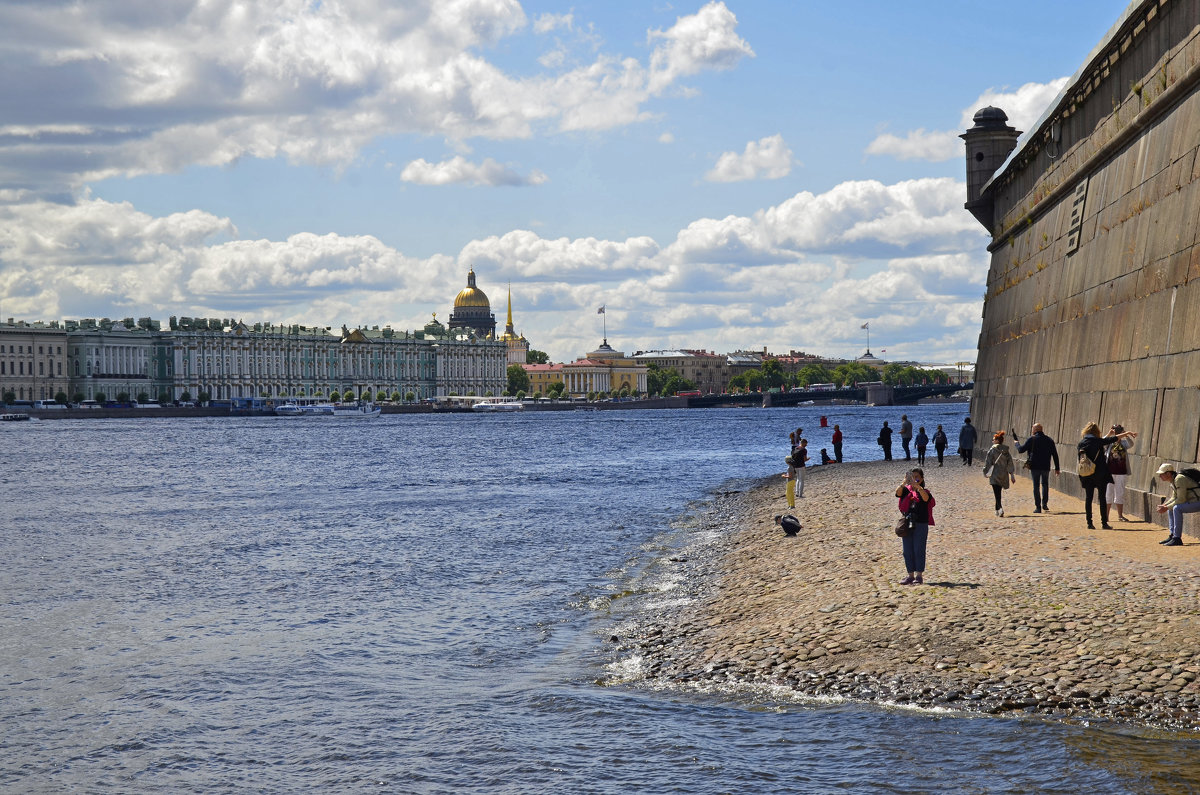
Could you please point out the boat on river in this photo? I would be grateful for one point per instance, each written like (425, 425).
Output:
(304, 410)
(498, 404)
(13, 417)
(357, 410)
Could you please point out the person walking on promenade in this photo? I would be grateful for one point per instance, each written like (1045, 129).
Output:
(1118, 467)
(1091, 458)
(967, 436)
(998, 468)
(922, 442)
(885, 441)
(939, 443)
(1185, 498)
(905, 436)
(837, 443)
(916, 498)
(1041, 451)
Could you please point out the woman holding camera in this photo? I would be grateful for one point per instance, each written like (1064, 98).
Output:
(916, 500)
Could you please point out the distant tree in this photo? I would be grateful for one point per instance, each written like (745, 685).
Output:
(122, 397)
(77, 397)
(164, 397)
(536, 357)
(624, 392)
(655, 378)
(814, 374)
(518, 379)
(556, 389)
(677, 383)
(521, 395)
(185, 396)
(203, 397)
(60, 397)
(396, 396)
(100, 398)
(10, 396)
(749, 381)
(348, 396)
(772, 374)
(410, 396)
(142, 397)
(853, 373)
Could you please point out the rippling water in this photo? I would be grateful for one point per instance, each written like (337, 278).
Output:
(420, 604)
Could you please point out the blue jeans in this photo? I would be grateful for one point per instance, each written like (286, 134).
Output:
(914, 547)
(1042, 477)
(1175, 517)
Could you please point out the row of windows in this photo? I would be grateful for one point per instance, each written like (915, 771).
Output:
(18, 368)
(41, 349)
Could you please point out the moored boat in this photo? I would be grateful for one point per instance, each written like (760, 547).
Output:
(498, 404)
(356, 410)
(13, 417)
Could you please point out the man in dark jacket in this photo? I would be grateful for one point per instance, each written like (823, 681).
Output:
(1042, 452)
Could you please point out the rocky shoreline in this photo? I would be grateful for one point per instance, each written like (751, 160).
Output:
(1029, 613)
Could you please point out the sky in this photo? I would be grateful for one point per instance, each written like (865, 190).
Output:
(732, 175)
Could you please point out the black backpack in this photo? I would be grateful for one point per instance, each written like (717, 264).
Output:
(1192, 473)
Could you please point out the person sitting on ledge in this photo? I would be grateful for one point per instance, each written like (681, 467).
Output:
(1185, 498)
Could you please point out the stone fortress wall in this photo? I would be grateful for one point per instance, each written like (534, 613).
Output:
(1092, 309)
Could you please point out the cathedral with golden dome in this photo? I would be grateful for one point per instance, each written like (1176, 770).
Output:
(472, 311)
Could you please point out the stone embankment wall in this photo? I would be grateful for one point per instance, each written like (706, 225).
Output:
(1092, 309)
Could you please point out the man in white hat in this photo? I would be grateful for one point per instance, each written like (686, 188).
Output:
(1185, 498)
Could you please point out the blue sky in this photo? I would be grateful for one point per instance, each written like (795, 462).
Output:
(720, 175)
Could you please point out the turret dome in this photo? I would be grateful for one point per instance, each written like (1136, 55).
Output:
(471, 295)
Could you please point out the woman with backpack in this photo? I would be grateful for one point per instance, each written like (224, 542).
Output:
(998, 468)
(1118, 466)
(1092, 469)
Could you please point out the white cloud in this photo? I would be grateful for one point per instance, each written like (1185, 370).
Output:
(704, 40)
(666, 138)
(1023, 107)
(546, 23)
(767, 158)
(210, 83)
(459, 170)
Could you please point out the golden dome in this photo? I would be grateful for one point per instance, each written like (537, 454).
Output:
(472, 295)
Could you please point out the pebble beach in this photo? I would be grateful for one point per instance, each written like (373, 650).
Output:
(1028, 613)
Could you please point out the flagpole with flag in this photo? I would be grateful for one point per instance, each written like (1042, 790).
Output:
(867, 326)
(604, 322)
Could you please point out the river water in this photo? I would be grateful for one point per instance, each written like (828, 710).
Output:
(423, 604)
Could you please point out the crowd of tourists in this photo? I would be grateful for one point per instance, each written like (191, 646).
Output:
(1102, 468)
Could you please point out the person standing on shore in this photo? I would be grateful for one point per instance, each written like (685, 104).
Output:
(1185, 498)
(939, 443)
(799, 464)
(922, 442)
(885, 441)
(998, 468)
(1041, 451)
(1091, 449)
(967, 436)
(916, 498)
(1118, 467)
(837, 443)
(905, 436)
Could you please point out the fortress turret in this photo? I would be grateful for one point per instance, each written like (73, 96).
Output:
(989, 143)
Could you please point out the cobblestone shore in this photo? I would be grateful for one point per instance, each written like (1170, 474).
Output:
(1029, 612)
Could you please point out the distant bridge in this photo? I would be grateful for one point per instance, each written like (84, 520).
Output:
(882, 395)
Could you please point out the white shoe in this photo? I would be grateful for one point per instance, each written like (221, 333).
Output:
(999, 511)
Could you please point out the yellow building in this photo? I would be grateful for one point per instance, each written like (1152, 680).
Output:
(541, 376)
